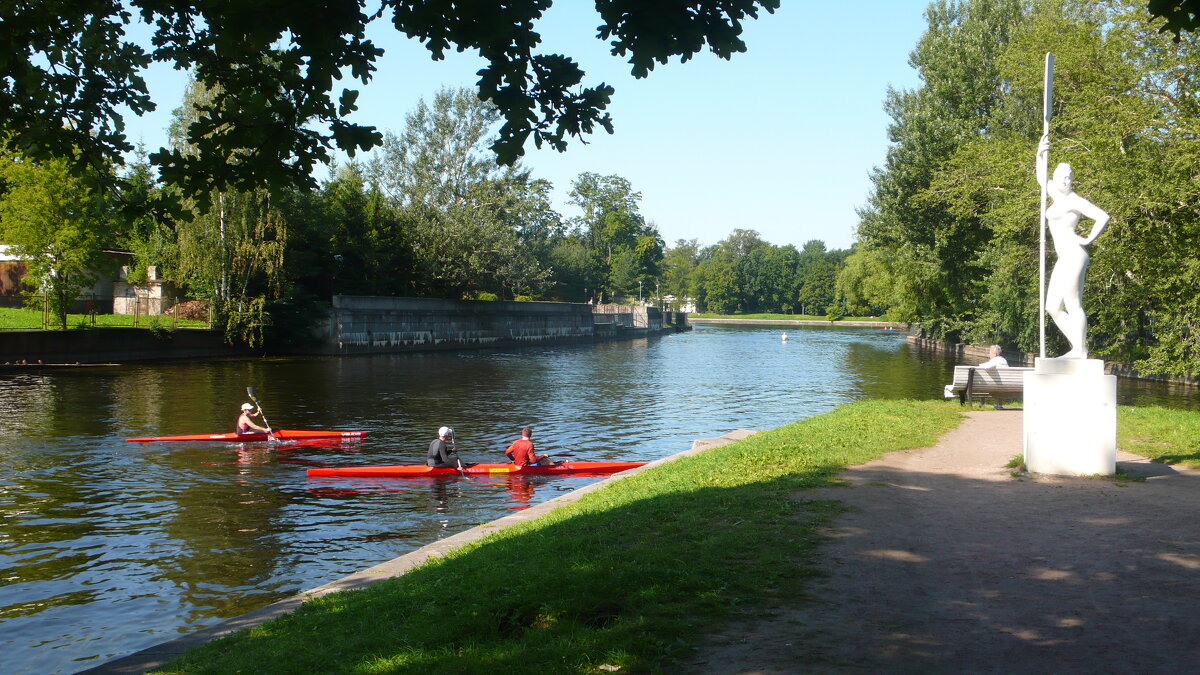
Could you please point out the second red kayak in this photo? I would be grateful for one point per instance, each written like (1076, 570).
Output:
(278, 434)
(416, 470)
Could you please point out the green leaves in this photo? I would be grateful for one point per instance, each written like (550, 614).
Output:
(272, 65)
(55, 223)
(953, 221)
(625, 249)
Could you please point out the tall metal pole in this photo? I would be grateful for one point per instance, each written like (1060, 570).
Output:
(1047, 98)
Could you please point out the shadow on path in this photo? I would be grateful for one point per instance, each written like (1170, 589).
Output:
(946, 562)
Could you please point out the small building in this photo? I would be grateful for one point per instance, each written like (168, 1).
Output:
(152, 297)
(686, 305)
(12, 270)
(97, 297)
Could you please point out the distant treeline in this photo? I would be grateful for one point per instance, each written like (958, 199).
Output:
(744, 274)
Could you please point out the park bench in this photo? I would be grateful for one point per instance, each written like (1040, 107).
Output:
(971, 382)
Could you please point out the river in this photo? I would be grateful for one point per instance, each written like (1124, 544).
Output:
(108, 547)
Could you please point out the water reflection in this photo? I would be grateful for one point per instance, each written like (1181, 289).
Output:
(107, 547)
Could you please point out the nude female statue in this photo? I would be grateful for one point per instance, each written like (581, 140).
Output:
(1064, 293)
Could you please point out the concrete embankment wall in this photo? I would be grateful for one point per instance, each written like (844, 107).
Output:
(368, 324)
(375, 325)
(966, 353)
(361, 325)
(112, 345)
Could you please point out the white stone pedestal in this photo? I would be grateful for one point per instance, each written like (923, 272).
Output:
(1070, 418)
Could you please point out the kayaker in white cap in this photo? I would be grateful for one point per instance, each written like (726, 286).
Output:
(244, 423)
(441, 450)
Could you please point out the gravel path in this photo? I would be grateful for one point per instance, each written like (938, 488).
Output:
(945, 562)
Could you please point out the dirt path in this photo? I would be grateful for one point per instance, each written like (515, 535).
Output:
(946, 563)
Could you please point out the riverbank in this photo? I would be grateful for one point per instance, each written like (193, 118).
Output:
(355, 326)
(963, 352)
(845, 323)
(570, 591)
(586, 584)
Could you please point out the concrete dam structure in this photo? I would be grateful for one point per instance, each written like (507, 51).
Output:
(380, 325)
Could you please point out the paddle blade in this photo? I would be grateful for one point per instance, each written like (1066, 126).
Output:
(250, 392)
(1048, 90)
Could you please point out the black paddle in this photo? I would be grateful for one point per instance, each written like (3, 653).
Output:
(457, 459)
(270, 434)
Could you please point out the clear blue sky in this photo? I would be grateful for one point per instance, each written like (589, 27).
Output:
(780, 139)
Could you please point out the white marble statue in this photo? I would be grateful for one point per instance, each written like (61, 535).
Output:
(1064, 293)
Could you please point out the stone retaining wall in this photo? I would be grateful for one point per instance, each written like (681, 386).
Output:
(112, 345)
(373, 325)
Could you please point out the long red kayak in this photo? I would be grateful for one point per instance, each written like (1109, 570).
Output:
(279, 434)
(416, 470)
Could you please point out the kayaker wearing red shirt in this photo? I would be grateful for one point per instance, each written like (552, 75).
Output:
(521, 451)
(244, 425)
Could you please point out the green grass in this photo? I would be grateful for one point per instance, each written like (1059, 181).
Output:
(628, 576)
(779, 317)
(31, 319)
(1164, 435)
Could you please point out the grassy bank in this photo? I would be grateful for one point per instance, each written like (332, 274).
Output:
(624, 577)
(780, 317)
(1168, 436)
(31, 319)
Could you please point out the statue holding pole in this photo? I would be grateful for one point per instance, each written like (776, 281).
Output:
(1064, 293)
(1070, 403)
(1063, 296)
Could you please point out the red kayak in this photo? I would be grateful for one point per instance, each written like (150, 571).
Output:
(278, 434)
(417, 470)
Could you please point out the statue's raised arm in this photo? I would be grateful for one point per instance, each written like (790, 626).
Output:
(1064, 293)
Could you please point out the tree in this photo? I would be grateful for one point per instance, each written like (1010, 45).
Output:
(69, 68)
(228, 246)
(1126, 117)
(625, 248)
(1179, 15)
(56, 223)
(361, 236)
(679, 271)
(957, 59)
(474, 227)
(816, 274)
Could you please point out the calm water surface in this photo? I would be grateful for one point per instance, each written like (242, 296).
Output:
(109, 547)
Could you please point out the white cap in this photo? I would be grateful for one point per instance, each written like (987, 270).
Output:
(247, 406)
(445, 431)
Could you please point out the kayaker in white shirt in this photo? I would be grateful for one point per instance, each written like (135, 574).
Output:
(245, 424)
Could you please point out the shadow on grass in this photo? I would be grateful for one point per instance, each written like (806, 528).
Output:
(627, 586)
(1190, 459)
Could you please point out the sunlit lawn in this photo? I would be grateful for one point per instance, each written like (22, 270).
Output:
(1164, 435)
(31, 319)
